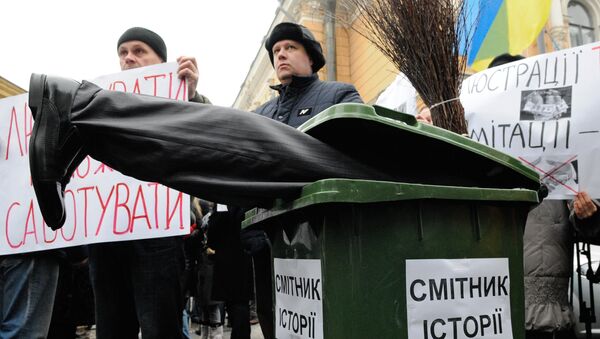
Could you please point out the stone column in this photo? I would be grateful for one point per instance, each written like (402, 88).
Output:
(559, 30)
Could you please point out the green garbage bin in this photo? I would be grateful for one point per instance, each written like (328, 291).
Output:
(441, 258)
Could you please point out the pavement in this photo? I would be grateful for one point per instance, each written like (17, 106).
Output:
(84, 333)
(255, 334)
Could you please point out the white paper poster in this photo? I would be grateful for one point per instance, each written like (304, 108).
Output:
(544, 111)
(458, 298)
(400, 96)
(102, 205)
(298, 298)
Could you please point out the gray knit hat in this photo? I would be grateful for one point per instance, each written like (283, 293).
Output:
(145, 35)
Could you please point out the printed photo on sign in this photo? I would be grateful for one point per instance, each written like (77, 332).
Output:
(558, 173)
(542, 105)
(458, 298)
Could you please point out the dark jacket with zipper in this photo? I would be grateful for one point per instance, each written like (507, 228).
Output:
(305, 97)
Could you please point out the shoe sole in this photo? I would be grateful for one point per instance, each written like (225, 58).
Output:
(36, 92)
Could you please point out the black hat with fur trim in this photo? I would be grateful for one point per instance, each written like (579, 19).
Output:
(301, 34)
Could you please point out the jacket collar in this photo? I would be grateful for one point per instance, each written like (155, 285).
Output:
(297, 82)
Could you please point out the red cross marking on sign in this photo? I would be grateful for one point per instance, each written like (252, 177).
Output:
(549, 173)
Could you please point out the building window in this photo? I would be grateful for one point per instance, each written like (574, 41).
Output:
(581, 27)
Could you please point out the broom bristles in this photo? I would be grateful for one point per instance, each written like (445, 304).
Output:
(422, 38)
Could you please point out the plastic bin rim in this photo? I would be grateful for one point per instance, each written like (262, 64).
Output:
(410, 124)
(367, 191)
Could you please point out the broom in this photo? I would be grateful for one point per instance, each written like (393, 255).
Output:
(424, 39)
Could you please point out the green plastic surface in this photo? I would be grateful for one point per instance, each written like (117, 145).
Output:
(365, 191)
(417, 148)
(454, 199)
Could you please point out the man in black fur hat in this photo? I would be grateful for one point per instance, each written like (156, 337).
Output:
(297, 57)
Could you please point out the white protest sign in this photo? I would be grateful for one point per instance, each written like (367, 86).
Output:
(458, 298)
(543, 110)
(400, 96)
(298, 298)
(158, 80)
(102, 205)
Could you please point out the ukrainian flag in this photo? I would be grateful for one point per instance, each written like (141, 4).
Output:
(504, 26)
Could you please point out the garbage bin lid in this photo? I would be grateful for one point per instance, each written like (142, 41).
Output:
(330, 191)
(414, 152)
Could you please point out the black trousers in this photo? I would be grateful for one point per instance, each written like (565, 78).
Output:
(217, 153)
(137, 287)
(239, 315)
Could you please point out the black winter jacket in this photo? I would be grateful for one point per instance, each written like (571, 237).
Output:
(305, 97)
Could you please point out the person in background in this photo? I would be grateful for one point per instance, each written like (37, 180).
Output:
(27, 290)
(74, 301)
(233, 280)
(211, 309)
(548, 262)
(296, 57)
(548, 255)
(137, 284)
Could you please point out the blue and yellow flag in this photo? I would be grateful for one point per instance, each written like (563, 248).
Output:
(505, 26)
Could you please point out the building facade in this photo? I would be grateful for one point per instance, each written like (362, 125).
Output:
(8, 89)
(353, 58)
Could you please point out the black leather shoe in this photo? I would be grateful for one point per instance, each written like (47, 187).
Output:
(55, 148)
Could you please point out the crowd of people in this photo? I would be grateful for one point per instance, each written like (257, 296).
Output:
(142, 286)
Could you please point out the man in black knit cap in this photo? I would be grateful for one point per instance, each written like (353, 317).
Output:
(137, 283)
